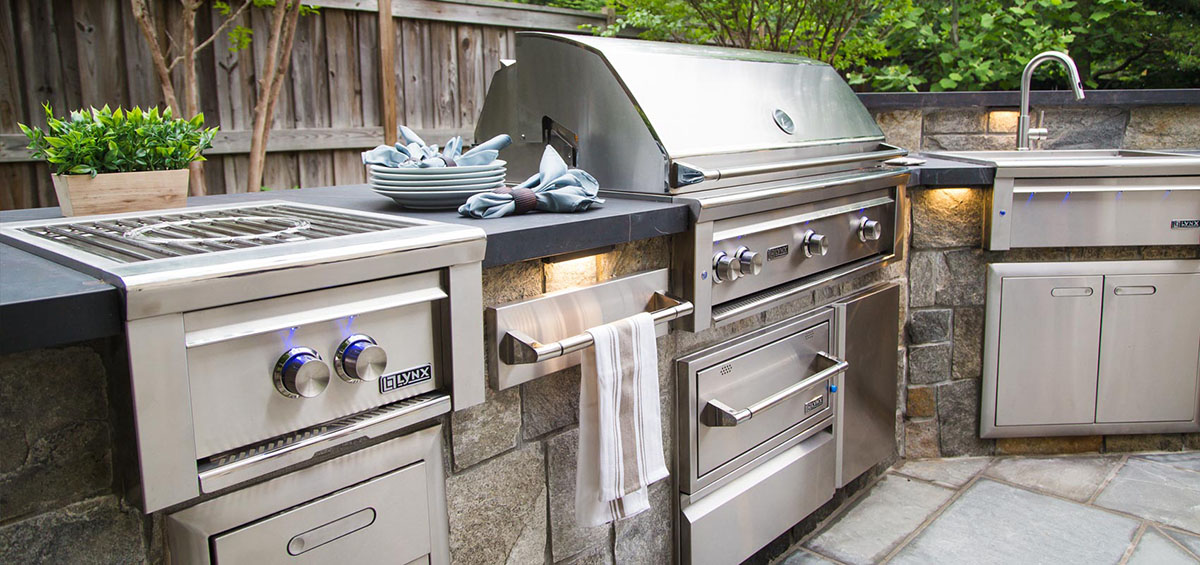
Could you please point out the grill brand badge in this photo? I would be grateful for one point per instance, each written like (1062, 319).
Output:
(1185, 224)
(388, 383)
(777, 252)
(814, 404)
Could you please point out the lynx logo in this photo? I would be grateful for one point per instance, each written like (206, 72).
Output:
(1185, 224)
(777, 252)
(388, 383)
(814, 404)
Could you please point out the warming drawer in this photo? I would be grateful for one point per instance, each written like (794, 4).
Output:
(750, 395)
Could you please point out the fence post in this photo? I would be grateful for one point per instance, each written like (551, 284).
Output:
(387, 70)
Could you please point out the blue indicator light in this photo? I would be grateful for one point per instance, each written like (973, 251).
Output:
(289, 340)
(1119, 193)
(1003, 212)
(1030, 197)
(1068, 195)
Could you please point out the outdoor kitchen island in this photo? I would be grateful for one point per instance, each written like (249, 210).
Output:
(68, 476)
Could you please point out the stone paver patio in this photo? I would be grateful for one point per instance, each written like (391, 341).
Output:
(1092, 509)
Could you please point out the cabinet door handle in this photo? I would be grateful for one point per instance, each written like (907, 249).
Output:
(1141, 290)
(1072, 291)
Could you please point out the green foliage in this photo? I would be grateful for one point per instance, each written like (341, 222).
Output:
(585, 5)
(118, 141)
(240, 35)
(895, 45)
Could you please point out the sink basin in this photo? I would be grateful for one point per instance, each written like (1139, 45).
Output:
(1085, 162)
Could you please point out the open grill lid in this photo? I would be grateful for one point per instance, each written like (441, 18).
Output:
(647, 117)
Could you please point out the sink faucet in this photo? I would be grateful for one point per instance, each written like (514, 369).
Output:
(1024, 132)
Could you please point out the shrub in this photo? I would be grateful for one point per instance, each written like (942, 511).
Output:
(118, 141)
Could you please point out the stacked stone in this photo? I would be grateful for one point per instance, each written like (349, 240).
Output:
(59, 490)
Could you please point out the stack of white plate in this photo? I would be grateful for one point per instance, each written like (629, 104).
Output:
(435, 188)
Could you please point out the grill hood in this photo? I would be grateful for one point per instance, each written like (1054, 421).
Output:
(655, 117)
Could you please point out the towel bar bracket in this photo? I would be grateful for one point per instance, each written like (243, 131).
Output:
(518, 348)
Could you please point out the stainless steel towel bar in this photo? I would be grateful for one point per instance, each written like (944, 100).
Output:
(517, 348)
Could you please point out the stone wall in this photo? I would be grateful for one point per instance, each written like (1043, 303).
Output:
(945, 330)
(59, 482)
(1081, 126)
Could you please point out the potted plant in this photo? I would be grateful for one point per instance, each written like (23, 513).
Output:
(106, 161)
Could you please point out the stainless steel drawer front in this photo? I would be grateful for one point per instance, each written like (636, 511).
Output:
(751, 377)
(732, 522)
(384, 520)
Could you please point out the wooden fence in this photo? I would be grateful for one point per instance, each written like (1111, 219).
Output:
(79, 53)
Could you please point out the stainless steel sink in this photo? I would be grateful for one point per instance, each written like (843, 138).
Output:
(1089, 197)
(1079, 162)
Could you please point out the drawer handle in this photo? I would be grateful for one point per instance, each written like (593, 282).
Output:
(1072, 291)
(322, 535)
(717, 414)
(1144, 290)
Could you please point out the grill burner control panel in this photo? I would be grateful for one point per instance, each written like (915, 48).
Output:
(797, 243)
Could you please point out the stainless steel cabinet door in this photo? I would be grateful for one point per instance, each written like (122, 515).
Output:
(866, 420)
(1049, 345)
(1149, 348)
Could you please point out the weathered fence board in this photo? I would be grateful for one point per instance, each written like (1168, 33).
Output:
(78, 53)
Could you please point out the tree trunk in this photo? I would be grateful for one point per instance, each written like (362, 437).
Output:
(279, 51)
(191, 89)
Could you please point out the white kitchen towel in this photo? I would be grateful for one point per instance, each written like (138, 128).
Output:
(620, 424)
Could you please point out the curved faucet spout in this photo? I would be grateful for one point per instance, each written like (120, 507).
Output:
(1023, 129)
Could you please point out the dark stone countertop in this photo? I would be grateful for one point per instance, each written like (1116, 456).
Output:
(936, 172)
(43, 304)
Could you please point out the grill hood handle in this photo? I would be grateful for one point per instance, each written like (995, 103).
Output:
(684, 174)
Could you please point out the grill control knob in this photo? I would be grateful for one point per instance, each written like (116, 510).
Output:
(750, 262)
(868, 229)
(359, 358)
(727, 267)
(301, 373)
(814, 243)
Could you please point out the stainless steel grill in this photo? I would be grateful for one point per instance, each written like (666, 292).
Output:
(160, 236)
(785, 174)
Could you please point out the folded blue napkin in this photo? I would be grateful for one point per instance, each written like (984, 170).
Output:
(412, 152)
(555, 188)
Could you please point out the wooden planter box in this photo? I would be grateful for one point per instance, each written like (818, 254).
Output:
(82, 195)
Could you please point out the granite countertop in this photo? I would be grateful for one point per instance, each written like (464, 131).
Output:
(43, 304)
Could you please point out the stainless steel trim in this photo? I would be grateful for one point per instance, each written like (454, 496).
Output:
(259, 460)
(266, 325)
(697, 174)
(162, 409)
(516, 348)
(736, 310)
(740, 197)
(719, 414)
(800, 218)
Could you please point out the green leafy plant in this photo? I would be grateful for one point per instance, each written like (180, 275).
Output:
(118, 141)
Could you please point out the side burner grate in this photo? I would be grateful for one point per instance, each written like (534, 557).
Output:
(160, 236)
